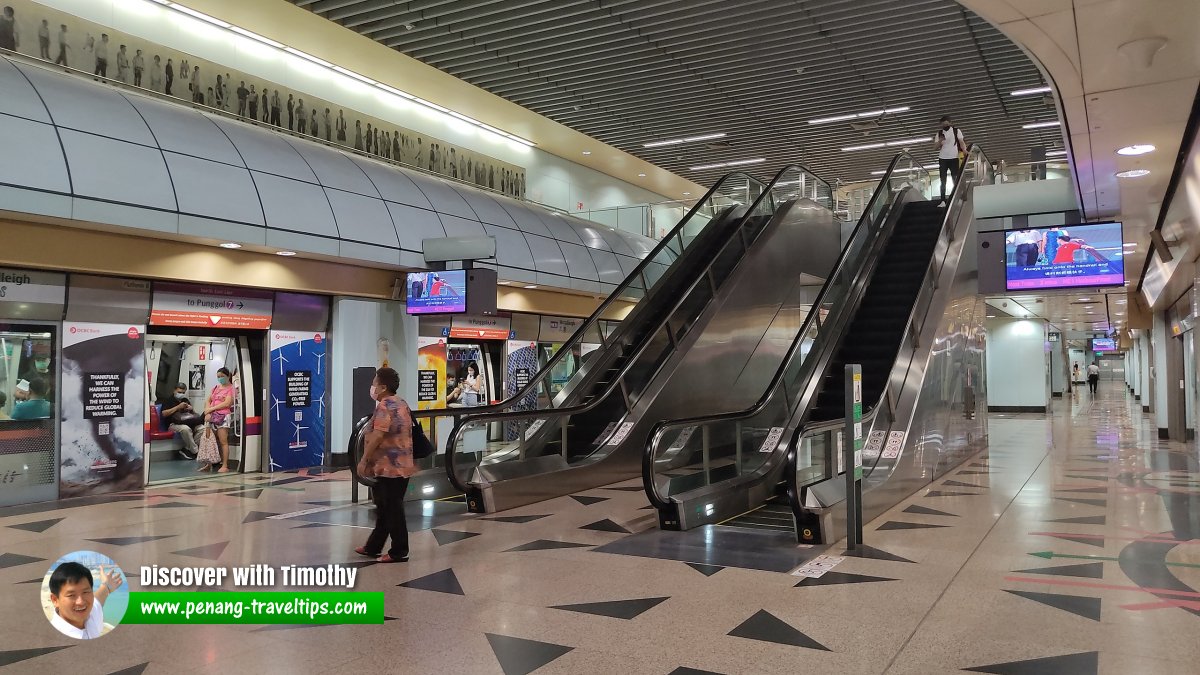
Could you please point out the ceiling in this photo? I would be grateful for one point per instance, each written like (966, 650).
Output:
(1084, 311)
(629, 72)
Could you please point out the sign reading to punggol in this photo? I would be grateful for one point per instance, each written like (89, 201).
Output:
(210, 307)
(481, 327)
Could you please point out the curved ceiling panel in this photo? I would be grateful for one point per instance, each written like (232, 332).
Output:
(147, 163)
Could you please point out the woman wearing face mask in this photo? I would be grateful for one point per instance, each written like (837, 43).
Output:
(388, 456)
(219, 413)
(474, 388)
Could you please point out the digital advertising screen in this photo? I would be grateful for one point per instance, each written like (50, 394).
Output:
(1104, 344)
(1066, 256)
(437, 292)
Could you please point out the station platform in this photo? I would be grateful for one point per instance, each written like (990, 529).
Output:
(1071, 545)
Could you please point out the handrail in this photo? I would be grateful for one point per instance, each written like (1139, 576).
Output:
(920, 308)
(768, 396)
(466, 418)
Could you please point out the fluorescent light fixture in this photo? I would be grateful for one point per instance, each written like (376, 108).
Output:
(868, 146)
(230, 244)
(887, 144)
(641, 175)
(286, 254)
(680, 141)
(308, 57)
(872, 113)
(899, 170)
(1040, 125)
(1031, 91)
(1140, 149)
(256, 37)
(353, 75)
(531, 286)
(721, 165)
(1055, 153)
(1134, 173)
(587, 152)
(199, 15)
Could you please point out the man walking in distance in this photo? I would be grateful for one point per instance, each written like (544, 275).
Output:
(1093, 377)
(44, 39)
(949, 142)
(62, 45)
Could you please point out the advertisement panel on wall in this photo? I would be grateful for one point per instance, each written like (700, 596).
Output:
(103, 390)
(431, 373)
(296, 418)
(522, 367)
(194, 306)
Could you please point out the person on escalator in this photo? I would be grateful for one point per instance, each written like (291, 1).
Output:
(388, 457)
(951, 150)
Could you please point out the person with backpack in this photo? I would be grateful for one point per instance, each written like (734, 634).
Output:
(388, 457)
(951, 150)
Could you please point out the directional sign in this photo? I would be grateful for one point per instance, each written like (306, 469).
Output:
(198, 306)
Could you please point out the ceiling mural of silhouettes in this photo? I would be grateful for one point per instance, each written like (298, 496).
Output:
(89, 48)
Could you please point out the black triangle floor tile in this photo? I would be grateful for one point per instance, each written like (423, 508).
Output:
(926, 511)
(517, 519)
(311, 526)
(617, 609)
(170, 505)
(941, 493)
(38, 526)
(1084, 571)
(441, 582)
(605, 525)
(32, 581)
(875, 554)
(132, 670)
(129, 541)
(255, 516)
(835, 578)
(1089, 502)
(444, 537)
(1088, 608)
(632, 488)
(208, 552)
(14, 559)
(706, 570)
(766, 627)
(973, 473)
(546, 545)
(588, 501)
(518, 656)
(1083, 663)
(901, 525)
(1082, 520)
(683, 670)
(1090, 541)
(1082, 491)
(247, 494)
(9, 657)
(1103, 479)
(955, 483)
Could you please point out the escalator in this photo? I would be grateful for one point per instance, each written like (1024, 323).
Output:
(890, 305)
(739, 289)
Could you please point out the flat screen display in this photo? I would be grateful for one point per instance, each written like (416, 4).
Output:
(1067, 256)
(1104, 344)
(437, 292)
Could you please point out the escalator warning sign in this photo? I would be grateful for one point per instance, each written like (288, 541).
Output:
(772, 440)
(622, 433)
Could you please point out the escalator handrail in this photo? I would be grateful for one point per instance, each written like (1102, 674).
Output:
(773, 387)
(956, 201)
(352, 447)
(598, 315)
(477, 414)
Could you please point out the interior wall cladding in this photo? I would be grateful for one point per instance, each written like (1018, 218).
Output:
(226, 178)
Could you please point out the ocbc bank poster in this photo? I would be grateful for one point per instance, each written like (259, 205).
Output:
(296, 418)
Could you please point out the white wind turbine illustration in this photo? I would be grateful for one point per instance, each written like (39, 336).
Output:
(282, 360)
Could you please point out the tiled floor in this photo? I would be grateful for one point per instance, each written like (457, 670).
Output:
(1071, 546)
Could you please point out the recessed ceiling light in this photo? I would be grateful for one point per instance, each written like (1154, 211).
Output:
(721, 165)
(587, 152)
(1129, 244)
(1139, 149)
(872, 113)
(1040, 125)
(531, 286)
(678, 141)
(1031, 91)
(1134, 173)
(641, 175)
(285, 253)
(686, 194)
(230, 244)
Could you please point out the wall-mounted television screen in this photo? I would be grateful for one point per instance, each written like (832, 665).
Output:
(437, 292)
(1104, 344)
(1066, 256)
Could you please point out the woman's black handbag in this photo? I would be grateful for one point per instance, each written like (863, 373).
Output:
(422, 448)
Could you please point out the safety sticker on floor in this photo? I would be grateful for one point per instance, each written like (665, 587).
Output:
(818, 566)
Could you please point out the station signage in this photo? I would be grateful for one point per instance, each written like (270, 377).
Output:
(481, 327)
(196, 306)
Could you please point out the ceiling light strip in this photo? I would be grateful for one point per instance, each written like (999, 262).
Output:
(862, 115)
(888, 144)
(722, 165)
(1031, 91)
(680, 141)
(1040, 125)
(188, 11)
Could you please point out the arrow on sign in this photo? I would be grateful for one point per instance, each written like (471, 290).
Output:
(214, 319)
(1048, 555)
(241, 304)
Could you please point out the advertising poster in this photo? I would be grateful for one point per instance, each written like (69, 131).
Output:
(103, 390)
(296, 421)
(522, 368)
(431, 373)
